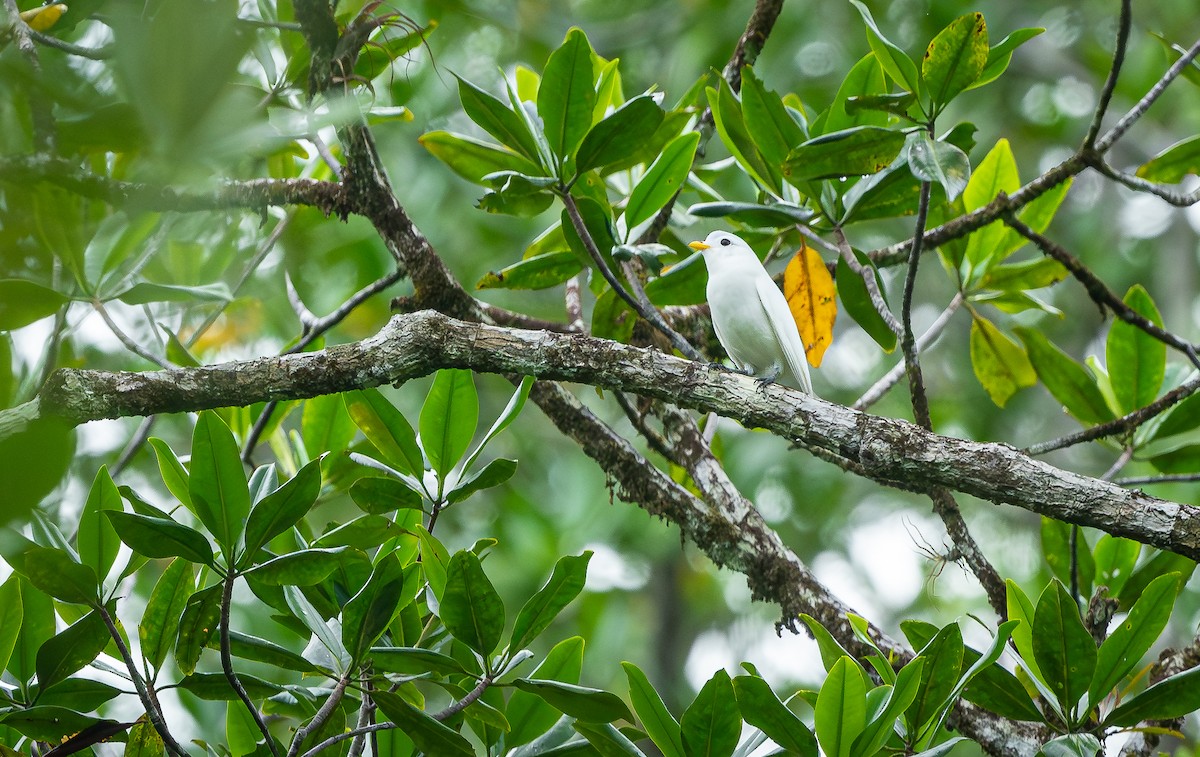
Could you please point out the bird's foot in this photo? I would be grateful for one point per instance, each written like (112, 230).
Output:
(765, 381)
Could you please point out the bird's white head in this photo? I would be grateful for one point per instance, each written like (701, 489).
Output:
(721, 241)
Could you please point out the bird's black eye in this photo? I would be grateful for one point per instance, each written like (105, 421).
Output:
(725, 242)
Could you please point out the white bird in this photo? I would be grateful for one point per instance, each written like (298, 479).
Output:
(750, 314)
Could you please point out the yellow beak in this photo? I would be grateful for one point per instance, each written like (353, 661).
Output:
(698, 245)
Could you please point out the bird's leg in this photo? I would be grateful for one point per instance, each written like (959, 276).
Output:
(765, 381)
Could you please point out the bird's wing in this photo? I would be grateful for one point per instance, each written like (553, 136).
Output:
(784, 328)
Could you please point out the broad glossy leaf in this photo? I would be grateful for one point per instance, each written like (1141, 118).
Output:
(856, 151)
(620, 135)
(939, 162)
(1159, 565)
(566, 96)
(662, 180)
(367, 615)
(159, 624)
(325, 425)
(857, 301)
(812, 299)
(47, 722)
(71, 649)
(864, 80)
(841, 709)
(158, 537)
(250, 647)
(54, 572)
(955, 58)
(215, 687)
(197, 625)
(1184, 459)
(1072, 745)
(1174, 163)
(763, 710)
(566, 581)
(729, 121)
(323, 633)
(1136, 361)
(1067, 380)
(1173, 697)
(1022, 609)
(10, 619)
(660, 725)
(528, 714)
(1132, 638)
(996, 173)
(1030, 274)
(541, 272)
(831, 651)
(80, 694)
(1056, 548)
(303, 568)
(42, 451)
(1115, 559)
(283, 508)
(174, 475)
(472, 159)
(448, 418)
(413, 661)
(37, 622)
(901, 695)
(1180, 419)
(144, 741)
(517, 194)
(943, 657)
(775, 215)
(24, 302)
(220, 496)
(378, 495)
(470, 607)
(145, 292)
(493, 474)
(580, 702)
(497, 119)
(1001, 55)
(96, 541)
(774, 132)
(387, 429)
(428, 735)
(895, 61)
(1000, 364)
(1065, 651)
(607, 739)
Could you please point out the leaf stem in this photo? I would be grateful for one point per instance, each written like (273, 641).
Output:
(227, 662)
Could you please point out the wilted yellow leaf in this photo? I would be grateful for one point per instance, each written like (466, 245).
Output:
(810, 295)
(42, 18)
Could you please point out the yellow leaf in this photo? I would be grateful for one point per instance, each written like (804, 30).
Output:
(42, 18)
(810, 295)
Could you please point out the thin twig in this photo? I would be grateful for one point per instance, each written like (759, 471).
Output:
(868, 276)
(135, 443)
(227, 662)
(126, 340)
(91, 53)
(145, 694)
(1110, 84)
(924, 342)
(1137, 111)
(1171, 196)
(1166, 478)
(318, 720)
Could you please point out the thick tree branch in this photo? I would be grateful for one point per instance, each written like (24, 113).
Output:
(888, 450)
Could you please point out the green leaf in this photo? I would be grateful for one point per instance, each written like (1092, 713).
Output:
(882, 726)
(448, 418)
(303, 568)
(831, 651)
(895, 61)
(78, 693)
(1001, 55)
(660, 725)
(1171, 698)
(620, 135)
(774, 132)
(541, 272)
(260, 650)
(1173, 163)
(763, 710)
(1072, 745)
(428, 735)
(493, 474)
(472, 159)
(1000, 364)
(96, 541)
(955, 58)
(144, 741)
(315, 623)
(386, 428)
(775, 215)
(1030, 274)
(160, 621)
(943, 657)
(729, 121)
(10, 619)
(159, 537)
(325, 425)
(607, 740)
(567, 95)
(196, 626)
(566, 581)
(47, 722)
(662, 180)
(1115, 559)
(220, 496)
(1056, 548)
(1180, 419)
(528, 714)
(857, 301)
(1067, 380)
(1136, 361)
(283, 508)
(54, 572)
(939, 162)
(378, 495)
(841, 709)
(1065, 651)
(215, 687)
(864, 80)
(369, 612)
(23, 302)
(144, 293)
(497, 119)
(580, 702)
(856, 151)
(997, 173)
(1132, 638)
(174, 475)
(73, 647)
(1184, 459)
(1159, 565)
(470, 607)
(413, 661)
(37, 621)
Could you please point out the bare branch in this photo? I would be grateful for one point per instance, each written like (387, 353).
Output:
(924, 342)
(1137, 111)
(1110, 84)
